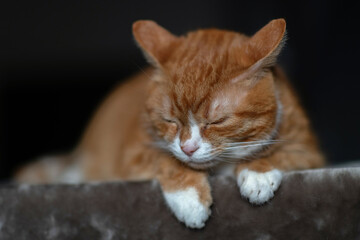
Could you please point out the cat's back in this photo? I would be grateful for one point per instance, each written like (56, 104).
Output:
(118, 117)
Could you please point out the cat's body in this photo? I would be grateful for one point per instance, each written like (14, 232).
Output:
(201, 107)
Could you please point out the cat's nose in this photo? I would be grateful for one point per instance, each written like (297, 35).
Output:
(189, 149)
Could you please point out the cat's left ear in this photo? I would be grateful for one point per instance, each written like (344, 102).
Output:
(155, 41)
(262, 49)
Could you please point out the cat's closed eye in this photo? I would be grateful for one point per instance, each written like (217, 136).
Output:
(168, 120)
(218, 121)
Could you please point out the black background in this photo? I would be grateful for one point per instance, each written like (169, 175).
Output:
(59, 60)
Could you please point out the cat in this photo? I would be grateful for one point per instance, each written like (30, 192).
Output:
(212, 101)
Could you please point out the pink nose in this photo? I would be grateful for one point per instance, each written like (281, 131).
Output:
(189, 149)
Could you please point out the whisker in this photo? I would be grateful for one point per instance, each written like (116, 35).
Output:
(252, 142)
(225, 153)
(243, 147)
(142, 70)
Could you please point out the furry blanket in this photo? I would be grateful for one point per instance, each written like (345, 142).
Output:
(313, 204)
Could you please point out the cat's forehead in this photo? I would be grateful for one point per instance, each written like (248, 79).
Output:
(205, 55)
(201, 48)
(216, 39)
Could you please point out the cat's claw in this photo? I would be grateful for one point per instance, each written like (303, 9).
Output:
(259, 187)
(186, 206)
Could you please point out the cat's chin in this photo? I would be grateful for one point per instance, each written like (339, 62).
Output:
(202, 165)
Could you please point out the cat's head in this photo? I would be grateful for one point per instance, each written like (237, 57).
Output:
(212, 97)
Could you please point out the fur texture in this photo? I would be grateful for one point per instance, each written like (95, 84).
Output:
(212, 97)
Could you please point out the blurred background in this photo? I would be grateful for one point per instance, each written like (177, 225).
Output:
(59, 60)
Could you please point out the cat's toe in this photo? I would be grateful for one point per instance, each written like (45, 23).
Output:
(259, 187)
(187, 207)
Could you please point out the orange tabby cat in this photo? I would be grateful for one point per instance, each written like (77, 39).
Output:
(214, 99)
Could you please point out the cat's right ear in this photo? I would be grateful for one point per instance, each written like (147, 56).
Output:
(155, 41)
(262, 49)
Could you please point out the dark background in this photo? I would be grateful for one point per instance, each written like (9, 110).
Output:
(59, 60)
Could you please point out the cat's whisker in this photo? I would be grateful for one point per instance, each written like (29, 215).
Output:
(245, 147)
(268, 140)
(142, 70)
(228, 161)
(226, 153)
(232, 159)
(253, 142)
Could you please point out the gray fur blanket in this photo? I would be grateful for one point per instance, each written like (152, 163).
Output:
(313, 204)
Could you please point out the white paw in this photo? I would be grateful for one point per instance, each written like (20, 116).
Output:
(187, 207)
(259, 187)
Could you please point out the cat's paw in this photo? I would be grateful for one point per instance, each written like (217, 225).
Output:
(259, 187)
(186, 206)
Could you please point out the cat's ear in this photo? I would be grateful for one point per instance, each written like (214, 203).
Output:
(154, 40)
(262, 49)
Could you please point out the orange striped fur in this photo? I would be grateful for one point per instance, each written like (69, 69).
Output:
(225, 82)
